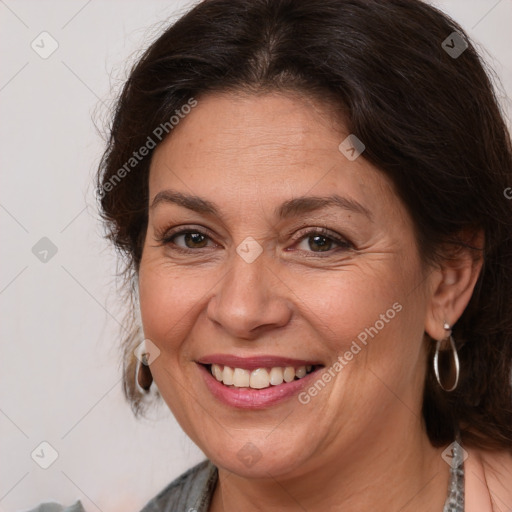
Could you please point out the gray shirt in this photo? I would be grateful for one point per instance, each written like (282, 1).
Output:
(190, 492)
(193, 490)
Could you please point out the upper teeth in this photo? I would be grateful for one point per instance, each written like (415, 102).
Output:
(259, 378)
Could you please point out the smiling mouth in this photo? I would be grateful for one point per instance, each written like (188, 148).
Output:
(259, 378)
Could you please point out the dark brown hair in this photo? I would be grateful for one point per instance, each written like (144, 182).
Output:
(429, 119)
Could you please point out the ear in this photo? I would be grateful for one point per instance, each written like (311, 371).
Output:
(452, 283)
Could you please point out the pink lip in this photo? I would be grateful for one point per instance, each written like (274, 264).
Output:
(251, 363)
(248, 398)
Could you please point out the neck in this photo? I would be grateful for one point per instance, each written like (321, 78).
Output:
(400, 471)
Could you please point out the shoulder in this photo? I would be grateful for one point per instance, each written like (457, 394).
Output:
(55, 507)
(190, 491)
(488, 477)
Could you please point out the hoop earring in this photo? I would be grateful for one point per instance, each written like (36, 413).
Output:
(455, 359)
(143, 376)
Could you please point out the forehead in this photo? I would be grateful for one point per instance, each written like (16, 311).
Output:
(282, 126)
(241, 145)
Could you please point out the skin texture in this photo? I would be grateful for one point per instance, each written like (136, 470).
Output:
(361, 440)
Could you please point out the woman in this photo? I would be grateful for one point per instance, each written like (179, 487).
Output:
(310, 196)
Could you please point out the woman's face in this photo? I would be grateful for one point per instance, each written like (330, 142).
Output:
(293, 255)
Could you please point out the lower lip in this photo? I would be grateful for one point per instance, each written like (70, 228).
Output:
(249, 398)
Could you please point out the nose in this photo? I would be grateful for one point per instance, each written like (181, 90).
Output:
(250, 299)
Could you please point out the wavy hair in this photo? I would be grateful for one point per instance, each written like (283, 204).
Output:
(430, 121)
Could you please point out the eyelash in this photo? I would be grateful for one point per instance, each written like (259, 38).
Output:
(166, 238)
(342, 243)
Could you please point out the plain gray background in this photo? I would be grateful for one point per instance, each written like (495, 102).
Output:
(59, 359)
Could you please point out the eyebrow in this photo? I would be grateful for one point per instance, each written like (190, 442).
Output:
(307, 204)
(289, 208)
(194, 203)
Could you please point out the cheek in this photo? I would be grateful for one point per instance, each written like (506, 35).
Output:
(169, 298)
(367, 313)
(347, 302)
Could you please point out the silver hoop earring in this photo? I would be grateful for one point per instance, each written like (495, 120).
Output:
(455, 359)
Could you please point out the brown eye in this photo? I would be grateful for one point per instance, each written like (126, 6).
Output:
(320, 242)
(191, 239)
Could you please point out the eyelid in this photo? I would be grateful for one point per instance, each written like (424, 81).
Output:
(340, 240)
(164, 236)
(166, 233)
